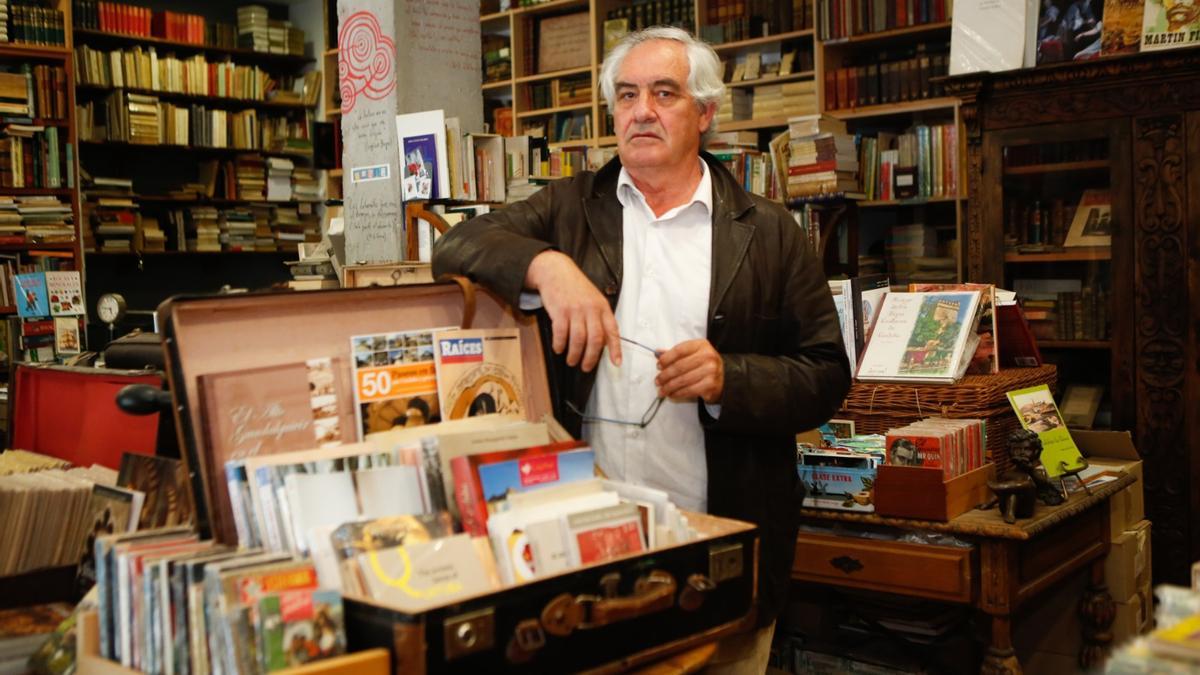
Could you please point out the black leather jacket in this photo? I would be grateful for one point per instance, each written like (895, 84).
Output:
(770, 316)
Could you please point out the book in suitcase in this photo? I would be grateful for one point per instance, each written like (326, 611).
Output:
(604, 616)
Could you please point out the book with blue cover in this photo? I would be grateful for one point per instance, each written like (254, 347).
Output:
(31, 295)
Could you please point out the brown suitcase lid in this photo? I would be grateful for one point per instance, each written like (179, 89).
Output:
(212, 334)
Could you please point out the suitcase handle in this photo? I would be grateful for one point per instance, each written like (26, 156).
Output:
(652, 593)
(468, 291)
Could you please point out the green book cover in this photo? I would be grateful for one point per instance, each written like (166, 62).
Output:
(1036, 409)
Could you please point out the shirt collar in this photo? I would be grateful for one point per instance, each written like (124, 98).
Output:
(626, 190)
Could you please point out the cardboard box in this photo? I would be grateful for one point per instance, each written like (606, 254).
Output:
(1052, 624)
(1127, 569)
(1114, 451)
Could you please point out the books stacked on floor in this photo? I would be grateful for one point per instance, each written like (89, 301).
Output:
(47, 219)
(922, 162)
(24, 629)
(279, 179)
(237, 230)
(144, 68)
(253, 28)
(203, 229)
(35, 156)
(822, 158)
(169, 602)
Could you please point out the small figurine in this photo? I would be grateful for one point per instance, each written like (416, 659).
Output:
(1025, 449)
(1017, 488)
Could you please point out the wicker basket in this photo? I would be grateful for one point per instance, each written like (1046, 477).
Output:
(877, 407)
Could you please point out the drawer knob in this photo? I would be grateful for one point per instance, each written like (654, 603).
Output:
(846, 564)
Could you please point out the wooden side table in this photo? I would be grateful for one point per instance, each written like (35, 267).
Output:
(1006, 566)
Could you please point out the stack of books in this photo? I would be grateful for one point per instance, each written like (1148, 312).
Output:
(250, 173)
(149, 237)
(906, 245)
(12, 231)
(788, 98)
(305, 186)
(203, 229)
(736, 105)
(252, 28)
(279, 179)
(47, 220)
(286, 227)
(112, 212)
(237, 230)
(822, 158)
(277, 36)
(4, 20)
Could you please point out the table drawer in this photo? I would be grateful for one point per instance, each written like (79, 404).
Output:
(938, 572)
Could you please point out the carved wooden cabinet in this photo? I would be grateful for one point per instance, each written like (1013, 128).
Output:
(1142, 112)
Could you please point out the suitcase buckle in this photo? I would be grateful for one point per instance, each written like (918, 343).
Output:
(693, 594)
(527, 638)
(652, 593)
(562, 615)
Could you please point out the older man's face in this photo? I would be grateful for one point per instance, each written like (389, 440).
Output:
(658, 123)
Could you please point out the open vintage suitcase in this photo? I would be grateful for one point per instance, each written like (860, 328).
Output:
(604, 617)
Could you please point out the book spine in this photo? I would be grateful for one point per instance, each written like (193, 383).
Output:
(468, 494)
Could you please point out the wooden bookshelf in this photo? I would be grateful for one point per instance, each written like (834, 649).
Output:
(140, 254)
(906, 33)
(894, 203)
(58, 247)
(552, 75)
(17, 50)
(766, 40)
(498, 84)
(242, 56)
(224, 101)
(552, 6)
(1078, 254)
(214, 201)
(753, 125)
(1057, 167)
(777, 79)
(36, 121)
(1074, 344)
(575, 107)
(895, 109)
(197, 149)
(8, 309)
(29, 191)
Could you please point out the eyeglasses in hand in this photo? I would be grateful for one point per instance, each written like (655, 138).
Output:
(647, 417)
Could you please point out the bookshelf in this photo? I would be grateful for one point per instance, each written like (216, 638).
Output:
(752, 46)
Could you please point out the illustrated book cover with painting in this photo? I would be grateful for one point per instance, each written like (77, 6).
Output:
(986, 359)
(922, 337)
(1037, 412)
(479, 372)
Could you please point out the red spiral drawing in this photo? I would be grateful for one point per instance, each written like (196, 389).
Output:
(366, 60)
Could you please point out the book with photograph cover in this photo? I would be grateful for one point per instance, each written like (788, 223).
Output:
(479, 372)
(395, 380)
(1092, 225)
(922, 337)
(297, 627)
(1069, 30)
(1037, 412)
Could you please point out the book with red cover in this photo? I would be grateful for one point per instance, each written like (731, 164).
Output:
(1016, 345)
(482, 480)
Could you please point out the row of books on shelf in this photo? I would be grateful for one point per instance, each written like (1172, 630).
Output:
(920, 163)
(646, 13)
(752, 169)
(1040, 226)
(34, 91)
(41, 340)
(33, 156)
(253, 30)
(845, 18)
(1066, 309)
(138, 118)
(31, 22)
(734, 20)
(143, 68)
(254, 227)
(887, 78)
(558, 92)
(766, 62)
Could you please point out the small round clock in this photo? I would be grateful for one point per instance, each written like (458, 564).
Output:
(110, 308)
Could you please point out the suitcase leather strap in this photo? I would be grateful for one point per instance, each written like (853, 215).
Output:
(652, 593)
(468, 291)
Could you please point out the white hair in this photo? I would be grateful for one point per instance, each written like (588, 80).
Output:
(704, 81)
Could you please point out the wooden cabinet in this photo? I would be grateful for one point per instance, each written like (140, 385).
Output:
(1145, 110)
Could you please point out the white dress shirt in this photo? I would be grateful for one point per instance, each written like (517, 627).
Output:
(667, 272)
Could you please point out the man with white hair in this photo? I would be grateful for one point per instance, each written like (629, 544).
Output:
(722, 337)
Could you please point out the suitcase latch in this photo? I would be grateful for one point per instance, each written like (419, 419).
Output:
(725, 562)
(469, 633)
(526, 640)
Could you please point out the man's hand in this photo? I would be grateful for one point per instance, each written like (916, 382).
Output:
(691, 369)
(581, 320)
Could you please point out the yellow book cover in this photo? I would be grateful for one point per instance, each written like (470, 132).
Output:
(479, 372)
